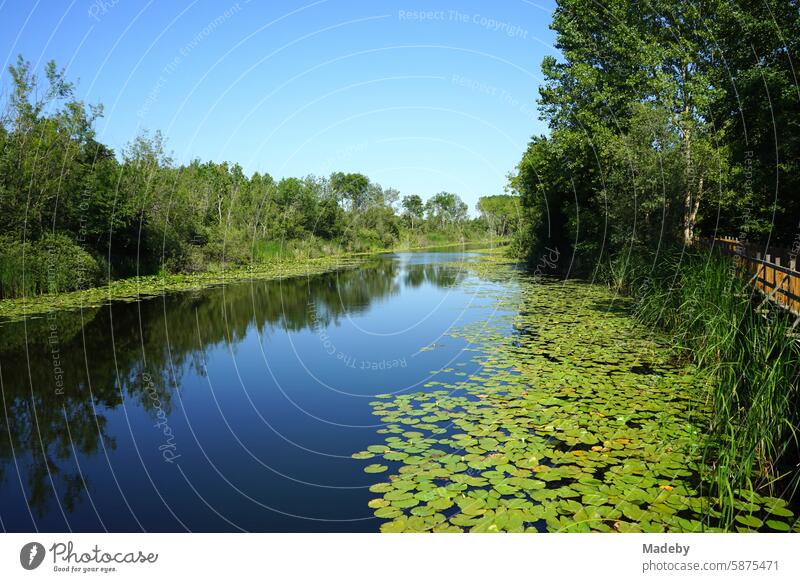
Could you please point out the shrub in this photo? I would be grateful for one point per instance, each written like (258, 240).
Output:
(53, 264)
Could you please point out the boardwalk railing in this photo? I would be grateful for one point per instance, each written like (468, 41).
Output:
(774, 274)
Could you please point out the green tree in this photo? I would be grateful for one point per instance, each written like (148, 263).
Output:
(632, 91)
(353, 189)
(413, 209)
(445, 209)
(757, 108)
(501, 212)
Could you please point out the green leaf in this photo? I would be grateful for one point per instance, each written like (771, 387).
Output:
(749, 521)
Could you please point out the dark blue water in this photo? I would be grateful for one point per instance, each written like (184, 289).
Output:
(232, 408)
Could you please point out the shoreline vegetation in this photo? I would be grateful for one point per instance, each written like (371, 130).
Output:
(717, 320)
(135, 288)
(75, 214)
(652, 146)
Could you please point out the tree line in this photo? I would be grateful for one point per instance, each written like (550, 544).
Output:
(668, 121)
(73, 212)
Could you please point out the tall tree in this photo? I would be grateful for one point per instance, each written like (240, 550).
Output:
(445, 209)
(413, 209)
(501, 212)
(353, 189)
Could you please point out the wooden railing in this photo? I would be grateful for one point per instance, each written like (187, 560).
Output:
(774, 274)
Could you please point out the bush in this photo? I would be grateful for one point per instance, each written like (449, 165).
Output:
(53, 264)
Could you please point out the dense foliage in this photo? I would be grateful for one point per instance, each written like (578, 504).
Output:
(502, 213)
(668, 121)
(73, 213)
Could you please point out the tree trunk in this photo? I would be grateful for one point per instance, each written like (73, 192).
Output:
(692, 214)
(689, 203)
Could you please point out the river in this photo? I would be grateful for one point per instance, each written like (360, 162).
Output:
(420, 391)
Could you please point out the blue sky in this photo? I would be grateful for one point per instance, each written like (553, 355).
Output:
(420, 96)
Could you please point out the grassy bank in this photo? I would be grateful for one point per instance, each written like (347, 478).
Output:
(720, 322)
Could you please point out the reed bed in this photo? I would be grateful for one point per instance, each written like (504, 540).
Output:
(717, 319)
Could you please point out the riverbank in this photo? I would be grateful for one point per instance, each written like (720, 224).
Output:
(134, 288)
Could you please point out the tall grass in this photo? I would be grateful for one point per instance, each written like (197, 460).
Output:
(719, 321)
(267, 251)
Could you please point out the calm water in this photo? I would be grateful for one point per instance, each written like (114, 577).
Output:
(233, 408)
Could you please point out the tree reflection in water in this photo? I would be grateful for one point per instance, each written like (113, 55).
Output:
(62, 375)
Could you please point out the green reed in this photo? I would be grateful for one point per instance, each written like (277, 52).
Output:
(721, 322)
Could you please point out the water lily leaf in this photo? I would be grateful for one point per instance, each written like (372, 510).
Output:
(405, 503)
(388, 512)
(398, 495)
(375, 468)
(396, 526)
(595, 499)
(464, 520)
(486, 525)
(626, 527)
(428, 495)
(749, 521)
(423, 511)
(776, 525)
(779, 511)
(447, 528)
(395, 456)
(441, 503)
(471, 506)
(505, 489)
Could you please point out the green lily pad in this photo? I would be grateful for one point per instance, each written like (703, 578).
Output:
(749, 521)
(776, 525)
(779, 511)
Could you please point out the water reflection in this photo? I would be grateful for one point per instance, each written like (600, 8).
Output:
(63, 376)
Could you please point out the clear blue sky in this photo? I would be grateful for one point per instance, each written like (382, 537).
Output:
(423, 102)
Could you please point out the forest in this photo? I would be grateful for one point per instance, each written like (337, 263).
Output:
(74, 213)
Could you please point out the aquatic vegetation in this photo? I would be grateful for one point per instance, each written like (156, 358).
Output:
(136, 288)
(715, 318)
(579, 420)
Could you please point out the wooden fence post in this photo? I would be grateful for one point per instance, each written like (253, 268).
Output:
(768, 278)
(758, 271)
